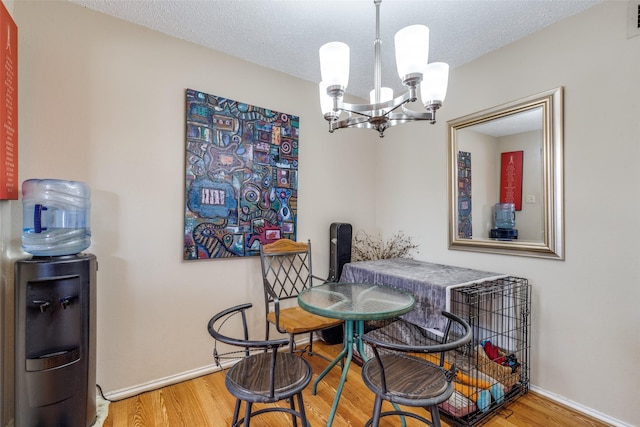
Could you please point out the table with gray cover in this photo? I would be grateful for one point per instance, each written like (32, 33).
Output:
(428, 282)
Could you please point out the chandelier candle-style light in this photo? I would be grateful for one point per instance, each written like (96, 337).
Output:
(384, 111)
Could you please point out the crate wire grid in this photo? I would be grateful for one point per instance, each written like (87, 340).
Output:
(499, 312)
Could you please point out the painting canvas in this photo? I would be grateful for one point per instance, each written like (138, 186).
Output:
(511, 178)
(241, 177)
(464, 195)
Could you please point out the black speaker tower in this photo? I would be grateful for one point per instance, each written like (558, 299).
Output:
(339, 255)
(339, 249)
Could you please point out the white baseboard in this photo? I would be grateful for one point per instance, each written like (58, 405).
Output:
(580, 408)
(174, 379)
(159, 383)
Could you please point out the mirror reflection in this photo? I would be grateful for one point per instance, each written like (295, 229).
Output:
(506, 178)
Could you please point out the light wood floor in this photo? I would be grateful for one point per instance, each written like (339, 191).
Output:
(204, 401)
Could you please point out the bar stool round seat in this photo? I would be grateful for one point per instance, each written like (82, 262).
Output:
(262, 374)
(410, 381)
(249, 380)
(413, 374)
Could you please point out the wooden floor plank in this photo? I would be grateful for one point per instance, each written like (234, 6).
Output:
(204, 402)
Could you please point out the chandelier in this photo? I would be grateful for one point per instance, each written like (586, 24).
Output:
(384, 111)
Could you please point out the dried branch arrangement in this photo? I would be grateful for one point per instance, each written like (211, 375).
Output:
(367, 247)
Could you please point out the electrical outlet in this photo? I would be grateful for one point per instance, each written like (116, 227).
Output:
(530, 198)
(633, 18)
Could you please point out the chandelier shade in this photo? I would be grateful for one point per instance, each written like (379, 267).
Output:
(429, 81)
(412, 50)
(434, 85)
(386, 94)
(326, 102)
(334, 64)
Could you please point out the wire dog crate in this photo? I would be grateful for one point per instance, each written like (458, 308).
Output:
(494, 368)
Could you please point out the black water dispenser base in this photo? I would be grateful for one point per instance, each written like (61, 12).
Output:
(503, 233)
(55, 352)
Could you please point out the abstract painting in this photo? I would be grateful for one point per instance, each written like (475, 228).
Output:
(241, 177)
(464, 195)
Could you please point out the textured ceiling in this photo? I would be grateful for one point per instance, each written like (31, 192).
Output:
(285, 35)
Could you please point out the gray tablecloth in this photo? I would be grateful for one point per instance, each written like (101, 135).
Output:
(427, 282)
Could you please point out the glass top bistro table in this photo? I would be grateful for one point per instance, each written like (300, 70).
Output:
(354, 303)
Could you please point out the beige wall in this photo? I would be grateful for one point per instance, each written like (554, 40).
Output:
(102, 101)
(585, 337)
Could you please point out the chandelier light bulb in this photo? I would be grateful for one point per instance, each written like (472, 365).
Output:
(334, 64)
(435, 82)
(386, 94)
(412, 50)
(326, 102)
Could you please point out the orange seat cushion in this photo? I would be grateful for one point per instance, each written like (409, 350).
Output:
(296, 320)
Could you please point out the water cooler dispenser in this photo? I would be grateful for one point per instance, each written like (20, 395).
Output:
(55, 309)
(504, 217)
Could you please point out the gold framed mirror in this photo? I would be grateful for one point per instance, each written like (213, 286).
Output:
(509, 158)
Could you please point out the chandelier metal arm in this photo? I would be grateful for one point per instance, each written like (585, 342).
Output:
(412, 116)
(383, 108)
(355, 122)
(430, 114)
(377, 116)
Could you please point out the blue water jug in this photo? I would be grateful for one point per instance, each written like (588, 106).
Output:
(505, 215)
(55, 217)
